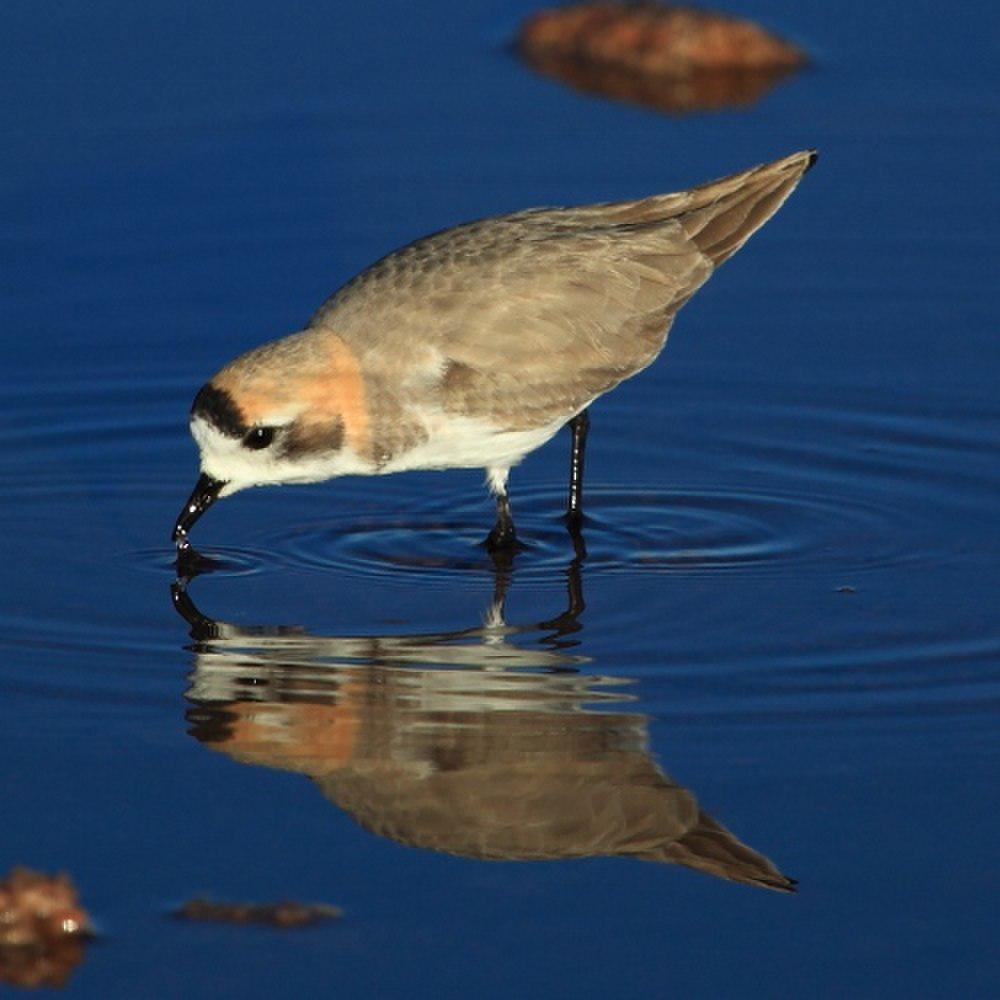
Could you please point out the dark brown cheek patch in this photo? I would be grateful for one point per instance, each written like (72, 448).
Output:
(311, 439)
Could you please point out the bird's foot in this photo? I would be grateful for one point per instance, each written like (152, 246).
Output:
(191, 563)
(502, 538)
(502, 546)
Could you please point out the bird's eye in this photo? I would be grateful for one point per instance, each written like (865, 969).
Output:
(258, 438)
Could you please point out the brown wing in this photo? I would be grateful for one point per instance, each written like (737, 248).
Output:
(523, 319)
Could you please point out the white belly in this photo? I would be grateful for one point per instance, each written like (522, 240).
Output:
(463, 443)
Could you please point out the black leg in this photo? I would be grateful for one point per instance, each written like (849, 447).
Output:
(578, 427)
(568, 622)
(503, 536)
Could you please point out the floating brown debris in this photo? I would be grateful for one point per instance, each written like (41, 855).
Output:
(673, 58)
(283, 914)
(42, 929)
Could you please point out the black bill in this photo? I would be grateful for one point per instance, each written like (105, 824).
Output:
(204, 494)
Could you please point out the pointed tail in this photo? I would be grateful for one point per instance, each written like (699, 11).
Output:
(722, 215)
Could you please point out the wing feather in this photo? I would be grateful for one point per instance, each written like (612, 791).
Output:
(524, 319)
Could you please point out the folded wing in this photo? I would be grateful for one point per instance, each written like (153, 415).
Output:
(524, 319)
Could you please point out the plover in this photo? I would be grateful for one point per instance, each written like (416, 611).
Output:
(472, 347)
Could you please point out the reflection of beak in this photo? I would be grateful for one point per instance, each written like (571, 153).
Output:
(202, 627)
(202, 497)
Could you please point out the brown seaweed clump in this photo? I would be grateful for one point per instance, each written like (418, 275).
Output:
(676, 59)
(42, 929)
(283, 914)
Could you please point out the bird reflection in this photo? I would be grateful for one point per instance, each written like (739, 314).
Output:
(486, 742)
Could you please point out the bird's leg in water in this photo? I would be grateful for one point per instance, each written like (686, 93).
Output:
(578, 427)
(503, 535)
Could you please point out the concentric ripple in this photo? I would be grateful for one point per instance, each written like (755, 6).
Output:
(638, 529)
(798, 491)
(226, 561)
(838, 480)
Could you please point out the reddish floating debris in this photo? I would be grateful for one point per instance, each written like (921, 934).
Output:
(42, 929)
(673, 58)
(655, 39)
(283, 914)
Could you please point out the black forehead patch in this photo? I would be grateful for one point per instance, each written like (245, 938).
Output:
(216, 406)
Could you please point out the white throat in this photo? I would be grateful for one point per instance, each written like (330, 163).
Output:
(225, 458)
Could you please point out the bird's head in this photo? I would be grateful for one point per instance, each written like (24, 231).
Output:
(291, 411)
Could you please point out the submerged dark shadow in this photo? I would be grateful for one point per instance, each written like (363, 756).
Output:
(487, 742)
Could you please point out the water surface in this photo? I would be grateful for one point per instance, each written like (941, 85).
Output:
(779, 660)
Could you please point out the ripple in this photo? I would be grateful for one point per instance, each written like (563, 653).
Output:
(646, 529)
(842, 478)
(924, 673)
(794, 486)
(223, 561)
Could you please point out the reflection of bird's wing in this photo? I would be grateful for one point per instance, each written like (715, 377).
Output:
(528, 785)
(546, 809)
(709, 847)
(525, 318)
(525, 806)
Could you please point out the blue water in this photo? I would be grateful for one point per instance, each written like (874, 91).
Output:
(786, 619)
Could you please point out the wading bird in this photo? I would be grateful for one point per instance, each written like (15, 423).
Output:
(472, 347)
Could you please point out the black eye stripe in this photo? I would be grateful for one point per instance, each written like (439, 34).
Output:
(258, 438)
